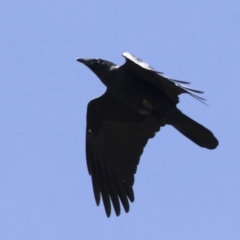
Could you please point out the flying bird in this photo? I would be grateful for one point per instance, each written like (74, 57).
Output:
(138, 101)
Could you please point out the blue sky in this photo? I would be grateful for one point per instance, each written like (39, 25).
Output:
(182, 191)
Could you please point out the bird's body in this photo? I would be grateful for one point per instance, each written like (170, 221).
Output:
(138, 101)
(136, 94)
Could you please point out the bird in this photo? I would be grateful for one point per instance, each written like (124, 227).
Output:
(138, 101)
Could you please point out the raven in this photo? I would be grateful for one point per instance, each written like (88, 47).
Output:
(137, 102)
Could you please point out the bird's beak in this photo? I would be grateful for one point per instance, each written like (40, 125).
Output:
(85, 61)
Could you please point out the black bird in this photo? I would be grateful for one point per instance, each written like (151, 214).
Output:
(137, 102)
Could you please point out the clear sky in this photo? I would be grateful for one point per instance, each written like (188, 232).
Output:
(182, 191)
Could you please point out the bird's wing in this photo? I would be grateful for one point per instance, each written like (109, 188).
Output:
(170, 87)
(115, 139)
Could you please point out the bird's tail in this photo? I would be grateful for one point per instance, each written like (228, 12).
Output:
(193, 130)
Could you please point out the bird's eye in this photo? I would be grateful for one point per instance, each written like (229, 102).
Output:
(98, 61)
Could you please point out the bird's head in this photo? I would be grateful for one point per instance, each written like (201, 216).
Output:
(100, 67)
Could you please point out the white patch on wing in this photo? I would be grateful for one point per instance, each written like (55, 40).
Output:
(137, 61)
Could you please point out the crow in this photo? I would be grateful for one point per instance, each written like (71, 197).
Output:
(138, 101)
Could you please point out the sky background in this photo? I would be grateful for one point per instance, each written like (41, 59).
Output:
(182, 191)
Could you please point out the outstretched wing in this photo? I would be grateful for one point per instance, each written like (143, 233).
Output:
(115, 139)
(170, 87)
